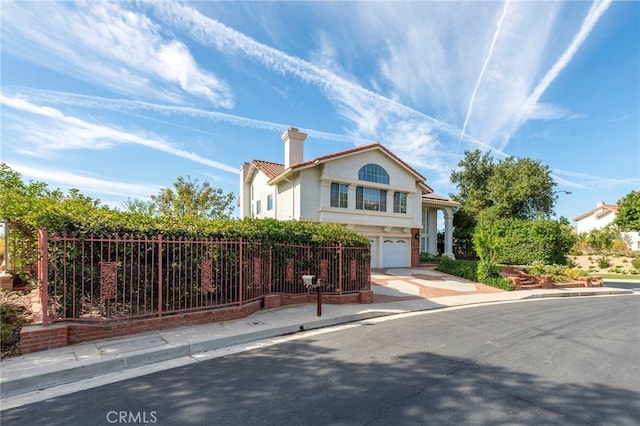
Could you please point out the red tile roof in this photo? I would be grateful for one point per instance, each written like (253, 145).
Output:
(274, 170)
(268, 168)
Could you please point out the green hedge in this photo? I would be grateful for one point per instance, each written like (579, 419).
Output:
(527, 241)
(468, 269)
(103, 221)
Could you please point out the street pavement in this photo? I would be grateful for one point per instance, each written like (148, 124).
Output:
(396, 291)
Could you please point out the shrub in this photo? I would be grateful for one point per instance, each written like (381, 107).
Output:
(499, 282)
(557, 272)
(460, 268)
(619, 247)
(10, 323)
(603, 263)
(427, 257)
(636, 263)
(617, 270)
(574, 274)
(526, 241)
(489, 248)
(468, 269)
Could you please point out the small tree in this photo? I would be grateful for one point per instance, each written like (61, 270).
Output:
(488, 247)
(191, 199)
(628, 216)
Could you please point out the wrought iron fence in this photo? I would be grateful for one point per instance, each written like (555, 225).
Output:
(121, 277)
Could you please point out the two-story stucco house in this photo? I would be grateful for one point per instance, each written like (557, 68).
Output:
(368, 189)
(601, 216)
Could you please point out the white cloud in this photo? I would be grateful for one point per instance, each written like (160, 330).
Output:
(543, 111)
(528, 107)
(103, 43)
(349, 96)
(53, 130)
(477, 57)
(505, 8)
(120, 105)
(584, 180)
(85, 183)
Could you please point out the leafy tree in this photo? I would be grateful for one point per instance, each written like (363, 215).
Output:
(35, 204)
(474, 172)
(512, 188)
(21, 201)
(188, 198)
(491, 190)
(628, 216)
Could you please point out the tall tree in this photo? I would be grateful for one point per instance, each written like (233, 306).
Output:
(628, 215)
(189, 198)
(512, 188)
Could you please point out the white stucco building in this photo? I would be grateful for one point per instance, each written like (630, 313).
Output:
(601, 216)
(368, 189)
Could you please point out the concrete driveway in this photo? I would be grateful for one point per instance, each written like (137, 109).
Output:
(422, 282)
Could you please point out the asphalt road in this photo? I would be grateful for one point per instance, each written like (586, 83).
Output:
(551, 361)
(626, 284)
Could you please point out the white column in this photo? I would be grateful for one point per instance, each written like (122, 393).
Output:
(433, 231)
(448, 234)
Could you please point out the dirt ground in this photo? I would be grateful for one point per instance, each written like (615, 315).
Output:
(618, 264)
(16, 312)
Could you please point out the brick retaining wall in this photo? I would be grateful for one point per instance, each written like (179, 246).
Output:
(39, 338)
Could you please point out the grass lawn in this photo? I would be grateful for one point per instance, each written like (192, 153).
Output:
(619, 276)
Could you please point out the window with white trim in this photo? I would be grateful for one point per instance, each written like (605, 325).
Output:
(339, 195)
(399, 202)
(373, 173)
(371, 199)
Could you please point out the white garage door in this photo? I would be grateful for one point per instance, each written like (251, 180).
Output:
(395, 253)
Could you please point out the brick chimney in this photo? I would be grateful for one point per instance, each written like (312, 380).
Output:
(293, 146)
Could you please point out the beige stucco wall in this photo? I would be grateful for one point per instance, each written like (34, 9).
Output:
(345, 170)
(259, 191)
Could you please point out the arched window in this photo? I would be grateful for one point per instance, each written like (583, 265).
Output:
(373, 173)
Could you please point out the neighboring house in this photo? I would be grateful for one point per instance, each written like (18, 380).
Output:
(367, 189)
(601, 216)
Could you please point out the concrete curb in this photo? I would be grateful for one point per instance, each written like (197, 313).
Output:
(42, 379)
(575, 293)
(91, 369)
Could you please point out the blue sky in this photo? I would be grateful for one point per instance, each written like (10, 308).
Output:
(119, 99)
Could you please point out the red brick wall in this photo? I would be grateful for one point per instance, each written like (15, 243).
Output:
(415, 246)
(39, 338)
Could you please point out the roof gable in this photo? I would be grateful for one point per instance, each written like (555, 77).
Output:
(357, 150)
(600, 211)
(276, 171)
(270, 169)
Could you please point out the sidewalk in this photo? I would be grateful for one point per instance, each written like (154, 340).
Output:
(401, 291)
